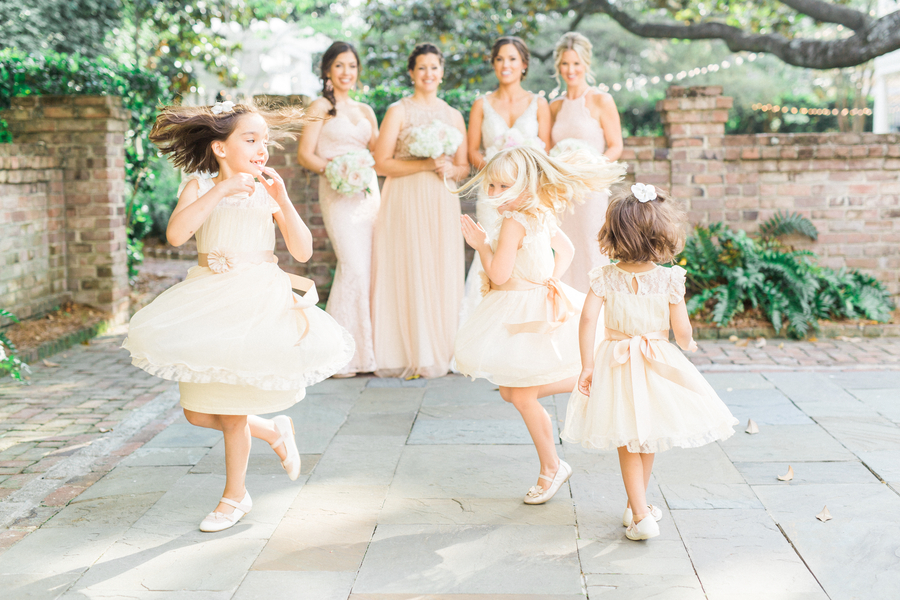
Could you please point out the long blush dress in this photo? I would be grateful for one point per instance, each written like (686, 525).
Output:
(418, 263)
(350, 223)
(574, 121)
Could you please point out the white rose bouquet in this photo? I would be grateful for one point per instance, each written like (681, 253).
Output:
(570, 144)
(351, 173)
(512, 138)
(434, 140)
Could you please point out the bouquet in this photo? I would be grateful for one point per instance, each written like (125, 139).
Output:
(571, 144)
(434, 140)
(351, 173)
(512, 138)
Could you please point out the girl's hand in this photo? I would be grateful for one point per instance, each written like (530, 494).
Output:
(275, 185)
(474, 233)
(585, 380)
(239, 183)
(692, 346)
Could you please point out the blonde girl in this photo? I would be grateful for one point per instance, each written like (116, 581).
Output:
(637, 392)
(523, 335)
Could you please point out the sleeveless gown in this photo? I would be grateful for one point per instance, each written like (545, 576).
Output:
(418, 263)
(350, 223)
(574, 120)
(238, 341)
(493, 127)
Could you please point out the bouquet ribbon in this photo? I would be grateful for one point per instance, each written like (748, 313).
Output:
(637, 350)
(559, 308)
(309, 298)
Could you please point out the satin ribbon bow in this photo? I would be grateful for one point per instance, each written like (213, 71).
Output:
(559, 308)
(638, 351)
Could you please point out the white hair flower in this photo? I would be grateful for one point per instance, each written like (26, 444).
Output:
(223, 107)
(643, 192)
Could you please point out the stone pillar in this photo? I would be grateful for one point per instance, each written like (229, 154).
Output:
(694, 122)
(86, 135)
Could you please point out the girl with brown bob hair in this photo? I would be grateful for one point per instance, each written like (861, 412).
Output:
(233, 335)
(637, 392)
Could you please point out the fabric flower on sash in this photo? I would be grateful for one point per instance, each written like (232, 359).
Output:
(220, 261)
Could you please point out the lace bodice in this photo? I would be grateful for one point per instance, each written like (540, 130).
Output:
(574, 120)
(644, 311)
(416, 114)
(339, 136)
(494, 126)
(238, 223)
(534, 260)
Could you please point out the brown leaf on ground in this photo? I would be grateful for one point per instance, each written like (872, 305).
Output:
(48, 363)
(824, 515)
(787, 476)
(733, 338)
(751, 427)
(67, 319)
(742, 343)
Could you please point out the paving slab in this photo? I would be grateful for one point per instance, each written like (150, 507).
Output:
(473, 511)
(785, 443)
(767, 473)
(59, 550)
(165, 457)
(470, 431)
(738, 381)
(884, 463)
(474, 559)
(185, 435)
(316, 422)
(36, 586)
(382, 423)
(707, 464)
(388, 400)
(128, 481)
(618, 586)
(359, 460)
(854, 555)
(817, 395)
(885, 401)
(866, 379)
(766, 407)
(863, 434)
(296, 585)
(146, 595)
(625, 557)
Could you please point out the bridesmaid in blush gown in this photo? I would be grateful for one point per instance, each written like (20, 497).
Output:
(589, 115)
(418, 260)
(344, 125)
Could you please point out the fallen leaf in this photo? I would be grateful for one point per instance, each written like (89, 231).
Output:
(787, 476)
(47, 363)
(105, 429)
(781, 346)
(751, 427)
(813, 339)
(760, 342)
(742, 343)
(732, 338)
(824, 515)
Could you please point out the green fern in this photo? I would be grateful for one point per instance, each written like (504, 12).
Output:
(785, 223)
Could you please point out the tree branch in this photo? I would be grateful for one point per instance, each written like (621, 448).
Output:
(827, 12)
(876, 38)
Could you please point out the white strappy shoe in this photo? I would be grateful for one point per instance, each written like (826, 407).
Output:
(216, 521)
(644, 530)
(627, 516)
(285, 428)
(538, 495)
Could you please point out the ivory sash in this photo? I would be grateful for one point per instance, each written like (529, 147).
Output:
(559, 308)
(303, 284)
(639, 351)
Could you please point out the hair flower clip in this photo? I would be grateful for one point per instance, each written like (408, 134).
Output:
(643, 192)
(223, 107)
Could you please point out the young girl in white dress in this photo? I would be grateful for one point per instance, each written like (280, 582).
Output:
(233, 334)
(637, 392)
(523, 335)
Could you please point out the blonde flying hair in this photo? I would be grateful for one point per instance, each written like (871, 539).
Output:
(636, 231)
(543, 183)
(582, 47)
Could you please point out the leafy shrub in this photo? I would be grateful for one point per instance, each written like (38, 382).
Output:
(728, 272)
(9, 362)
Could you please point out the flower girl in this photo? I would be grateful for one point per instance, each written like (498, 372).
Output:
(233, 335)
(523, 335)
(637, 392)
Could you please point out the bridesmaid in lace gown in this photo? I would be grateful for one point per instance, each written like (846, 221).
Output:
(344, 125)
(587, 114)
(497, 120)
(418, 256)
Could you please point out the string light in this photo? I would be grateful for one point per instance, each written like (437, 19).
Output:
(815, 111)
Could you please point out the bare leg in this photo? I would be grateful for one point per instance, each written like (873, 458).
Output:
(633, 475)
(560, 387)
(237, 452)
(260, 427)
(647, 463)
(539, 426)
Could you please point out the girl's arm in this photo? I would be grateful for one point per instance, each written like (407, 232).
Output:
(681, 326)
(296, 234)
(476, 118)
(564, 252)
(309, 137)
(587, 330)
(498, 266)
(544, 124)
(457, 166)
(385, 163)
(191, 212)
(612, 126)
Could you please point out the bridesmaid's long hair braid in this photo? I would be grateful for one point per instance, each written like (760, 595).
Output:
(334, 50)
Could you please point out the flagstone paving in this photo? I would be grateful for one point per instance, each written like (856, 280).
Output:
(413, 490)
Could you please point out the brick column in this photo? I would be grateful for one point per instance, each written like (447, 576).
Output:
(86, 135)
(694, 121)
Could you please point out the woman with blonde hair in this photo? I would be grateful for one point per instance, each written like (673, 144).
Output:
(583, 116)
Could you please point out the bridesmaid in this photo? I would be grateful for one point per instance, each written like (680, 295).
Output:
(509, 107)
(340, 125)
(584, 113)
(418, 262)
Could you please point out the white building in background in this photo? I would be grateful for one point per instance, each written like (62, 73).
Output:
(276, 57)
(886, 117)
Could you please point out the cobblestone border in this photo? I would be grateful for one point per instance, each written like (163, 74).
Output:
(826, 330)
(65, 342)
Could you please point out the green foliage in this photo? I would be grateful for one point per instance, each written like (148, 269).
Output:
(785, 223)
(380, 97)
(68, 26)
(9, 362)
(729, 272)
